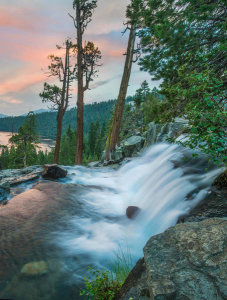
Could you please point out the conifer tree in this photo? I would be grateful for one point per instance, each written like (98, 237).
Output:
(59, 97)
(26, 138)
(88, 56)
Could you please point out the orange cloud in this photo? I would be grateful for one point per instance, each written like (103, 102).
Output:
(11, 100)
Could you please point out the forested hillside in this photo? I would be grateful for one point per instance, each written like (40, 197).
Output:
(46, 122)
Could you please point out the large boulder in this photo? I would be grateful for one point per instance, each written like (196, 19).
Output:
(53, 172)
(133, 145)
(188, 261)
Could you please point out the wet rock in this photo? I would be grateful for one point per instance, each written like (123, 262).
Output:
(188, 261)
(221, 181)
(35, 269)
(214, 205)
(132, 212)
(4, 192)
(133, 145)
(93, 164)
(53, 172)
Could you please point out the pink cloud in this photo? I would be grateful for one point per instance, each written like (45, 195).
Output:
(20, 81)
(11, 100)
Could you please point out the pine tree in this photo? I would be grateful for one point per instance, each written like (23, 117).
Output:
(26, 138)
(88, 56)
(59, 97)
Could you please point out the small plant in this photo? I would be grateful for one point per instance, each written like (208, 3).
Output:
(104, 284)
(101, 286)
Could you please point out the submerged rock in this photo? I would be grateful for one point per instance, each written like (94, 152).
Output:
(53, 172)
(132, 212)
(187, 261)
(35, 269)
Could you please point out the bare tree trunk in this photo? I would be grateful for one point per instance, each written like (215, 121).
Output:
(58, 137)
(113, 136)
(62, 109)
(80, 94)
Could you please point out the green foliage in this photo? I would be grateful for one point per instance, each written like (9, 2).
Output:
(206, 112)
(25, 140)
(184, 44)
(105, 284)
(101, 286)
(53, 94)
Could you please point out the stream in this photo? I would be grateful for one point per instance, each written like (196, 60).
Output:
(80, 221)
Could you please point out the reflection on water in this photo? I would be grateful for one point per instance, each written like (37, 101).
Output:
(80, 221)
(45, 144)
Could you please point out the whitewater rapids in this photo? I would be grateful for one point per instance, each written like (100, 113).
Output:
(165, 182)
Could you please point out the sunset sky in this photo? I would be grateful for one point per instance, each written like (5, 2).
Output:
(29, 31)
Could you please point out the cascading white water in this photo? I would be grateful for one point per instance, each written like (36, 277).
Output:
(161, 182)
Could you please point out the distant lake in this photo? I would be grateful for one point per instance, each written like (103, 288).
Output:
(45, 144)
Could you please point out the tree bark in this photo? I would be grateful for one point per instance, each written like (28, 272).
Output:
(63, 106)
(113, 136)
(58, 137)
(80, 93)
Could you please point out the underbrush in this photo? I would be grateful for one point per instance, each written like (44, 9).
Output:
(105, 284)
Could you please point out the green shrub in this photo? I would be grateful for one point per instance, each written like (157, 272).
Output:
(104, 284)
(101, 286)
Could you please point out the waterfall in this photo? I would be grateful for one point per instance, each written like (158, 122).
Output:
(165, 182)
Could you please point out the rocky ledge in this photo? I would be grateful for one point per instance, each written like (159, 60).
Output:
(186, 262)
(10, 178)
(14, 177)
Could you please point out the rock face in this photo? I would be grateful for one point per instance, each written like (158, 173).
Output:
(158, 133)
(214, 205)
(133, 145)
(135, 286)
(186, 262)
(53, 172)
(132, 212)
